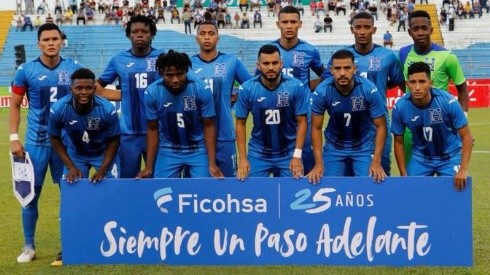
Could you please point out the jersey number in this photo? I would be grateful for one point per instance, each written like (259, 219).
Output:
(180, 120)
(209, 83)
(272, 117)
(141, 80)
(53, 94)
(428, 133)
(347, 117)
(85, 137)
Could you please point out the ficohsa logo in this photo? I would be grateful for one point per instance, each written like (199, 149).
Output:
(194, 203)
(163, 196)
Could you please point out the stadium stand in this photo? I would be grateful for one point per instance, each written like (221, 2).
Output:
(93, 45)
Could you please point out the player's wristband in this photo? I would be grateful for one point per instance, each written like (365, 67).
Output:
(14, 137)
(297, 153)
(466, 114)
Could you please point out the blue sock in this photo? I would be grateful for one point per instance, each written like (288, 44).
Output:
(29, 218)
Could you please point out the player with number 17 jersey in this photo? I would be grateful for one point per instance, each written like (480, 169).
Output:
(43, 87)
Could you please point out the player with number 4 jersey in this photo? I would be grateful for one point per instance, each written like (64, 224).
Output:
(91, 124)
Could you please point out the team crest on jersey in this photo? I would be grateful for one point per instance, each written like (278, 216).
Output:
(93, 123)
(435, 115)
(431, 62)
(220, 69)
(358, 103)
(299, 59)
(150, 64)
(63, 78)
(282, 99)
(374, 63)
(190, 103)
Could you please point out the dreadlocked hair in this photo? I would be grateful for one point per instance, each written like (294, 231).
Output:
(180, 61)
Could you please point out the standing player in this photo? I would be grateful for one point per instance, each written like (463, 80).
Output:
(299, 57)
(356, 129)
(279, 105)
(135, 70)
(442, 141)
(219, 71)
(377, 64)
(181, 131)
(444, 64)
(43, 80)
(91, 124)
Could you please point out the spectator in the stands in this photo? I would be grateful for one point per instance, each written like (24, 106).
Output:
(49, 18)
(257, 18)
(388, 39)
(317, 25)
(27, 23)
(245, 24)
(327, 23)
(340, 7)
(243, 4)
(43, 7)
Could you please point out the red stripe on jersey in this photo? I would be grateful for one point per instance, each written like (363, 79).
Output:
(19, 90)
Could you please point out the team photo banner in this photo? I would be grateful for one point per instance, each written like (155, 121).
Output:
(267, 221)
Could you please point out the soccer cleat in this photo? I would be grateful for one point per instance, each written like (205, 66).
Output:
(58, 261)
(28, 254)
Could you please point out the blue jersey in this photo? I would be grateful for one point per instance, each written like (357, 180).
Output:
(299, 60)
(219, 74)
(434, 128)
(274, 115)
(350, 126)
(180, 117)
(87, 133)
(380, 65)
(135, 74)
(43, 87)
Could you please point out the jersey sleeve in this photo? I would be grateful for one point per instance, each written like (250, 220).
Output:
(206, 96)
(54, 122)
(318, 101)
(20, 84)
(397, 127)
(316, 63)
(242, 107)
(302, 100)
(396, 71)
(377, 106)
(454, 69)
(113, 121)
(110, 73)
(458, 117)
(151, 106)
(241, 73)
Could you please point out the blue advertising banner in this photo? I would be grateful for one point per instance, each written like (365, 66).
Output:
(267, 221)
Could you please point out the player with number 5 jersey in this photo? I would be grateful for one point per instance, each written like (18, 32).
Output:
(135, 70)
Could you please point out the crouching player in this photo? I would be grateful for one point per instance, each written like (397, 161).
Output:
(91, 124)
(441, 138)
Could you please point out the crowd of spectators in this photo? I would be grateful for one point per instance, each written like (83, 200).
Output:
(117, 12)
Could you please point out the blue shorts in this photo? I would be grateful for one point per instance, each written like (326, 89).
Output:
(335, 163)
(262, 167)
(226, 157)
(418, 166)
(171, 165)
(84, 163)
(132, 149)
(41, 157)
